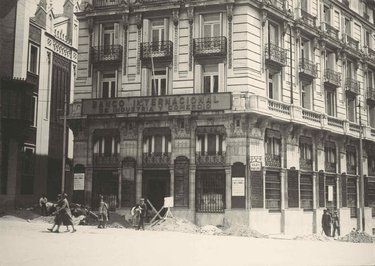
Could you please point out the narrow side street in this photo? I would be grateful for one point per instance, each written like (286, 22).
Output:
(24, 243)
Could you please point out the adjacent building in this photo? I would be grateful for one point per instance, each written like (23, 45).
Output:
(38, 55)
(246, 112)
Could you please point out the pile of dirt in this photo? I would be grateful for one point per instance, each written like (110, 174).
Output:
(176, 225)
(21, 214)
(117, 221)
(357, 237)
(241, 230)
(211, 230)
(313, 237)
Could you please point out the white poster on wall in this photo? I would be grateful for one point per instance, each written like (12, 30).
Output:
(79, 181)
(168, 202)
(330, 193)
(238, 186)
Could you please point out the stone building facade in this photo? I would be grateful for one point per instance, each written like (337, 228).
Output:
(243, 111)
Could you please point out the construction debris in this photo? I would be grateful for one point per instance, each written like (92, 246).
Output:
(245, 231)
(356, 236)
(211, 230)
(314, 237)
(174, 224)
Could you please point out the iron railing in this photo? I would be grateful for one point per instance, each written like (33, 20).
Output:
(308, 19)
(204, 159)
(308, 67)
(107, 53)
(352, 85)
(272, 160)
(331, 31)
(332, 77)
(210, 46)
(275, 53)
(111, 160)
(163, 49)
(156, 159)
(330, 167)
(210, 193)
(105, 3)
(305, 164)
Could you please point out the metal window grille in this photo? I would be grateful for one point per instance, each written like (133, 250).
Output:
(351, 190)
(273, 191)
(306, 187)
(210, 191)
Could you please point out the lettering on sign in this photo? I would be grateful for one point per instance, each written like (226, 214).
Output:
(255, 163)
(238, 186)
(330, 193)
(79, 181)
(158, 104)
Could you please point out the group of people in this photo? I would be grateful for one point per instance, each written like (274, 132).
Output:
(139, 213)
(330, 221)
(62, 214)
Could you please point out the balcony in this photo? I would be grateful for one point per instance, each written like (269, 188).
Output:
(279, 4)
(106, 3)
(305, 164)
(330, 167)
(371, 95)
(157, 51)
(307, 19)
(311, 116)
(279, 107)
(101, 160)
(205, 159)
(332, 77)
(108, 53)
(335, 122)
(156, 159)
(351, 169)
(308, 69)
(352, 86)
(370, 55)
(210, 47)
(351, 42)
(272, 160)
(330, 31)
(275, 55)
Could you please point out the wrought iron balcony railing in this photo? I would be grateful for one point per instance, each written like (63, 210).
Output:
(330, 167)
(275, 54)
(210, 46)
(157, 50)
(308, 19)
(105, 3)
(272, 160)
(305, 164)
(371, 94)
(331, 31)
(332, 77)
(352, 85)
(107, 53)
(102, 160)
(204, 159)
(156, 159)
(308, 67)
(351, 42)
(351, 169)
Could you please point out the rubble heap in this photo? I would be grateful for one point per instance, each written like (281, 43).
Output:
(211, 230)
(313, 237)
(176, 225)
(245, 231)
(357, 237)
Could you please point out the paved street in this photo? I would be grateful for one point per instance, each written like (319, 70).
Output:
(23, 243)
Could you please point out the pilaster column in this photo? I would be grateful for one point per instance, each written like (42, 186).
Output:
(138, 185)
(88, 186)
(283, 188)
(171, 189)
(119, 186)
(192, 174)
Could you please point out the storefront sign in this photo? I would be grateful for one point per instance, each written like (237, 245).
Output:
(79, 181)
(158, 104)
(168, 202)
(238, 186)
(255, 163)
(330, 193)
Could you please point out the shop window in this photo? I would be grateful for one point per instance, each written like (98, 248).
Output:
(28, 170)
(210, 79)
(351, 190)
(273, 191)
(306, 190)
(210, 191)
(33, 65)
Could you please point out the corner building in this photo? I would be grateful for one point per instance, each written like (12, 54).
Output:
(243, 111)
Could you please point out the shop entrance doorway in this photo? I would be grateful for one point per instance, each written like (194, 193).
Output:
(156, 186)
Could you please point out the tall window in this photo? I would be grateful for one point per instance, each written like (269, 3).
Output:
(370, 80)
(273, 85)
(109, 85)
(327, 15)
(211, 26)
(305, 150)
(371, 110)
(28, 170)
(367, 39)
(157, 34)
(210, 144)
(273, 33)
(106, 146)
(306, 95)
(351, 108)
(305, 50)
(351, 160)
(304, 5)
(34, 110)
(350, 72)
(108, 35)
(33, 65)
(157, 144)
(330, 157)
(273, 145)
(159, 83)
(330, 99)
(210, 78)
(347, 26)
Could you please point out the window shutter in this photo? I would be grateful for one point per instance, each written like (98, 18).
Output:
(321, 190)
(293, 192)
(256, 186)
(343, 191)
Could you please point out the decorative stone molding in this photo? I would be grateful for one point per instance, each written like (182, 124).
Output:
(125, 21)
(264, 17)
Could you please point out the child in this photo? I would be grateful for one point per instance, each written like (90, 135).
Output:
(103, 213)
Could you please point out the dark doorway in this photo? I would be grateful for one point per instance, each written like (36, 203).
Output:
(105, 183)
(156, 187)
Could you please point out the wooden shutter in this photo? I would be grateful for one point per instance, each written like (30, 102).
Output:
(256, 188)
(343, 191)
(321, 190)
(293, 191)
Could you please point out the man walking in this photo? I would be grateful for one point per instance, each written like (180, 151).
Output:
(142, 214)
(103, 213)
(326, 223)
(43, 205)
(336, 224)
